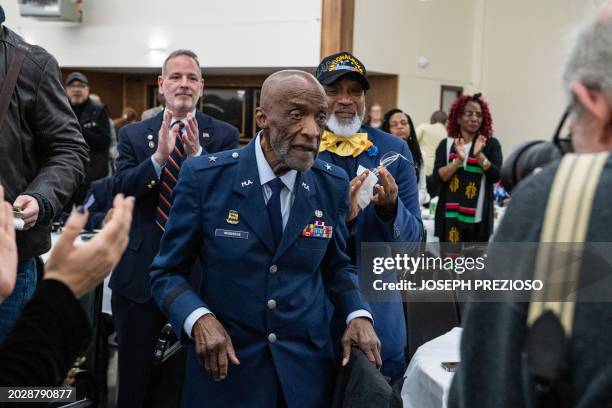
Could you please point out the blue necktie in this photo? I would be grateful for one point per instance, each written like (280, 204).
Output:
(274, 209)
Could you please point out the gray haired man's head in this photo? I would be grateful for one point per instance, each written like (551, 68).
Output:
(590, 61)
(178, 53)
(588, 80)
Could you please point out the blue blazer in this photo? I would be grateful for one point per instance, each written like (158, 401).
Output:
(389, 321)
(136, 177)
(242, 271)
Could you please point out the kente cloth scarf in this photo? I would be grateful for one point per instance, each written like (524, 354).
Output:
(345, 146)
(462, 192)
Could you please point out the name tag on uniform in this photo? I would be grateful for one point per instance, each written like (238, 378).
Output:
(231, 234)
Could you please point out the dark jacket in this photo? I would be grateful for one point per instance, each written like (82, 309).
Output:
(42, 150)
(360, 384)
(493, 369)
(52, 330)
(96, 131)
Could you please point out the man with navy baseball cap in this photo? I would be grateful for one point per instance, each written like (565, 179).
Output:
(394, 214)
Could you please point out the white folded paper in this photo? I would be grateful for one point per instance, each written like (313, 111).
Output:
(364, 195)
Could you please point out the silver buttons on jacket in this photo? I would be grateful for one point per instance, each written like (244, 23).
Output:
(271, 304)
(273, 269)
(272, 338)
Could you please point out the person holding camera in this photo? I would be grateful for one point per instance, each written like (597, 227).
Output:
(507, 360)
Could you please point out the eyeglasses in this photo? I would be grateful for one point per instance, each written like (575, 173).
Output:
(469, 114)
(564, 143)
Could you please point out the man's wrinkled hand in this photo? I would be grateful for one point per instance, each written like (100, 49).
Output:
(191, 136)
(166, 139)
(386, 192)
(82, 267)
(29, 210)
(360, 333)
(213, 346)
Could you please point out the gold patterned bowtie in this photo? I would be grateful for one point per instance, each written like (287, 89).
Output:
(345, 146)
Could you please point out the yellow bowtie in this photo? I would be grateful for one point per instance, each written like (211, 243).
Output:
(345, 146)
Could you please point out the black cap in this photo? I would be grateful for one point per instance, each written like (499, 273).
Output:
(337, 65)
(76, 76)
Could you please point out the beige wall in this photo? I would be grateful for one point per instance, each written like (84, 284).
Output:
(390, 36)
(140, 33)
(525, 46)
(512, 51)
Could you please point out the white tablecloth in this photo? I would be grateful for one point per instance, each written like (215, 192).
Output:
(427, 384)
(430, 226)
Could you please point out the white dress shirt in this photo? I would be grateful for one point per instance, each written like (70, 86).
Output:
(287, 196)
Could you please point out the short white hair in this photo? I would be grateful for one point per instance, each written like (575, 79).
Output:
(590, 61)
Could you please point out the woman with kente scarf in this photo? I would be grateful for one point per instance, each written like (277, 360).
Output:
(467, 165)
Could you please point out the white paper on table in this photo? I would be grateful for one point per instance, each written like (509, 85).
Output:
(364, 195)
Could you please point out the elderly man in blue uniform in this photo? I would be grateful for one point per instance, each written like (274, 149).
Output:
(151, 153)
(268, 224)
(394, 214)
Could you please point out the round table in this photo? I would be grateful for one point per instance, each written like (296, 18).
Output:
(427, 384)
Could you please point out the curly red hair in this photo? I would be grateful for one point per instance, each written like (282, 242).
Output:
(486, 128)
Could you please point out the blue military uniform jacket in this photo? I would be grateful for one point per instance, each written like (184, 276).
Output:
(136, 177)
(406, 226)
(219, 214)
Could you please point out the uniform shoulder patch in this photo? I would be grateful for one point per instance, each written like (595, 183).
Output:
(331, 169)
(212, 160)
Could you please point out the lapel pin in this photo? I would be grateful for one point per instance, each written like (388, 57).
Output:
(212, 158)
(328, 167)
(232, 217)
(246, 183)
(205, 135)
(306, 186)
(318, 213)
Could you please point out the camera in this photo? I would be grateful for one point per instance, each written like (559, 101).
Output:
(534, 154)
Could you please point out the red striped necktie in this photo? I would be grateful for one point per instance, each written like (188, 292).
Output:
(168, 178)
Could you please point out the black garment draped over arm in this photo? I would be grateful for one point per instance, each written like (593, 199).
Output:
(44, 344)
